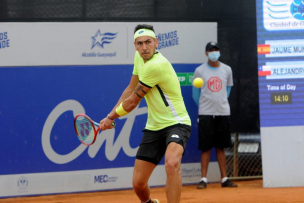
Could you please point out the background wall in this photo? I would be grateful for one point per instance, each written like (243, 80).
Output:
(236, 34)
(50, 72)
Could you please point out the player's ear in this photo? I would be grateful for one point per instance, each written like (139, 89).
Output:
(206, 53)
(156, 42)
(135, 45)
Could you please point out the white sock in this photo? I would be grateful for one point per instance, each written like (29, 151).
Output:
(204, 179)
(224, 179)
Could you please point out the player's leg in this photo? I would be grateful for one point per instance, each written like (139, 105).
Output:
(151, 150)
(176, 141)
(173, 158)
(141, 175)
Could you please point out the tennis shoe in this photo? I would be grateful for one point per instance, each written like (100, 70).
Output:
(155, 201)
(228, 183)
(202, 185)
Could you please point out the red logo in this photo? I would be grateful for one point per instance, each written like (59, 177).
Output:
(214, 84)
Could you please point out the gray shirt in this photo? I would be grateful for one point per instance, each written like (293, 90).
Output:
(213, 98)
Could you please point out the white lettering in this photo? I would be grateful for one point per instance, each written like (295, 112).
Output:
(111, 149)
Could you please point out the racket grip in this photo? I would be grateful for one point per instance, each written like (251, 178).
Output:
(113, 124)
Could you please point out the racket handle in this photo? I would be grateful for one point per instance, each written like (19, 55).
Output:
(113, 124)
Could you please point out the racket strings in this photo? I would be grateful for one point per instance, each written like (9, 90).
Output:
(85, 130)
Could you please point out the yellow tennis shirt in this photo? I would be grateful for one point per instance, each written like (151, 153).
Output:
(166, 106)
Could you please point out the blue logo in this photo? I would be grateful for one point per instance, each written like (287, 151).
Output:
(4, 40)
(101, 39)
(22, 182)
(167, 39)
(140, 32)
(105, 179)
(297, 9)
(101, 179)
(277, 10)
(281, 10)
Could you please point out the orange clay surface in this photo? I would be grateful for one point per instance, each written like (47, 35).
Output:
(247, 192)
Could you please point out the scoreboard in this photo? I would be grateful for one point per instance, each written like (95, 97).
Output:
(280, 38)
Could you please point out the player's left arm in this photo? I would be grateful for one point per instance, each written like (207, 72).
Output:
(126, 106)
(133, 100)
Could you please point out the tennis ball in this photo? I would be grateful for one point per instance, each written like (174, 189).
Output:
(198, 82)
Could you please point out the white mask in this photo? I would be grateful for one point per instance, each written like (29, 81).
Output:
(214, 55)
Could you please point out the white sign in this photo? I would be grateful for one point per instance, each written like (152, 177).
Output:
(45, 44)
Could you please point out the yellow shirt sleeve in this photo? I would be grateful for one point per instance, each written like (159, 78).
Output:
(151, 74)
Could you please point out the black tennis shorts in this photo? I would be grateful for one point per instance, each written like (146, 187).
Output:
(213, 131)
(154, 143)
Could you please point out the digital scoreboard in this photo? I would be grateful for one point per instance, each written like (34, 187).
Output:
(280, 38)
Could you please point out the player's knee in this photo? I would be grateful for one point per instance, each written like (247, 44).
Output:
(172, 165)
(138, 184)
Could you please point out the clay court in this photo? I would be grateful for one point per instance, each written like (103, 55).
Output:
(247, 192)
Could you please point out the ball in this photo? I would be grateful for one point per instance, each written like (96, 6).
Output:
(198, 82)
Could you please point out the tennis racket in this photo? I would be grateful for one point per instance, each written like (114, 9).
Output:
(86, 130)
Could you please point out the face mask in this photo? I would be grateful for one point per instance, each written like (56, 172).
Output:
(214, 56)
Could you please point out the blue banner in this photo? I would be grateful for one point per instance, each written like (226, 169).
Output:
(38, 105)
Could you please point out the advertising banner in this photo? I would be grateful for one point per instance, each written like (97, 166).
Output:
(50, 72)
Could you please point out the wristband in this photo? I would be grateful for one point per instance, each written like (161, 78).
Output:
(110, 117)
(120, 110)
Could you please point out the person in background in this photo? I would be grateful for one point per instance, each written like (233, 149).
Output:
(213, 112)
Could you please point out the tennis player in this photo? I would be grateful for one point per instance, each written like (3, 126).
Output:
(168, 125)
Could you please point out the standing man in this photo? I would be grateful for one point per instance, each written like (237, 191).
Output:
(214, 112)
(168, 125)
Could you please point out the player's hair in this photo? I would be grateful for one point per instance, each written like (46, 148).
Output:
(143, 26)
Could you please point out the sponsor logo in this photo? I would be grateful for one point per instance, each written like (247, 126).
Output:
(114, 145)
(214, 84)
(175, 136)
(101, 179)
(283, 14)
(104, 179)
(297, 9)
(100, 40)
(22, 183)
(167, 39)
(185, 79)
(191, 172)
(4, 40)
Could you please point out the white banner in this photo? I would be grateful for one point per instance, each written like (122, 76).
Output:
(94, 180)
(38, 44)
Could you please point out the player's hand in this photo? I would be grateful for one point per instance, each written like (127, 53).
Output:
(106, 124)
